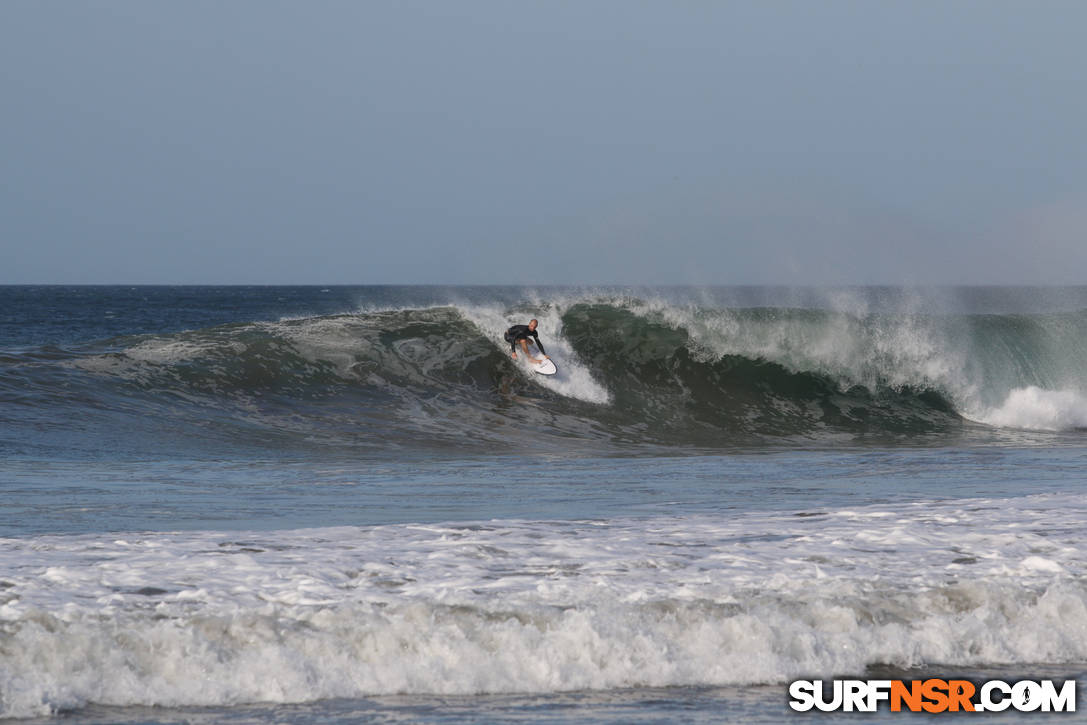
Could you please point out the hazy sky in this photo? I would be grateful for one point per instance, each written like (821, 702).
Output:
(463, 141)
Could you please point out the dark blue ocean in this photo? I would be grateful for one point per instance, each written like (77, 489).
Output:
(349, 504)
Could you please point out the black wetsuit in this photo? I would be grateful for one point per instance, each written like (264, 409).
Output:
(521, 332)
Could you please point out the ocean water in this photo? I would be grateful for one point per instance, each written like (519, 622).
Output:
(306, 504)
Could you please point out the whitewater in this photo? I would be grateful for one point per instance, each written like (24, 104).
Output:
(540, 606)
(350, 504)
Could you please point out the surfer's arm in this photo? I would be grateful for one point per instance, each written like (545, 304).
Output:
(539, 344)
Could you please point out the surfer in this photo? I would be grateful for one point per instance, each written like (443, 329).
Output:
(521, 333)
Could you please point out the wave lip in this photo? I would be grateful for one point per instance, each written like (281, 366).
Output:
(537, 606)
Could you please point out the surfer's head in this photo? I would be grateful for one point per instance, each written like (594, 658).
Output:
(532, 324)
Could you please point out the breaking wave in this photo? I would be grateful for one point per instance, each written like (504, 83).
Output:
(633, 372)
(213, 618)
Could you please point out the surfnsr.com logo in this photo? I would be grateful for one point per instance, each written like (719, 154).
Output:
(933, 695)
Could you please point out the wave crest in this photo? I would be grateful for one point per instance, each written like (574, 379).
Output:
(632, 372)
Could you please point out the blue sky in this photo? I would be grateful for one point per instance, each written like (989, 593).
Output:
(610, 142)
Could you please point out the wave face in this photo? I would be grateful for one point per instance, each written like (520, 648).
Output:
(207, 618)
(634, 372)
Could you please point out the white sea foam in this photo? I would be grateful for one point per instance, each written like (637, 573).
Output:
(515, 606)
(1035, 408)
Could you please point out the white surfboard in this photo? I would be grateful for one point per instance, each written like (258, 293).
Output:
(544, 367)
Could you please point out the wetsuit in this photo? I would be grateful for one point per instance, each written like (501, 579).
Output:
(521, 332)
